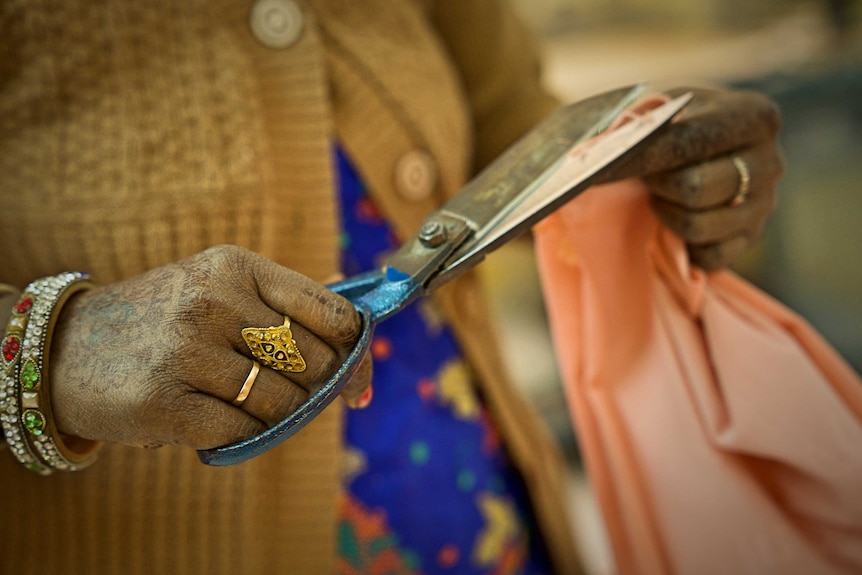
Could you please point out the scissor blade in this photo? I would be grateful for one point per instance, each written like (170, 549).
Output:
(484, 199)
(478, 207)
(573, 172)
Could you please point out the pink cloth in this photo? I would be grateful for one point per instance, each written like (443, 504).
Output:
(722, 434)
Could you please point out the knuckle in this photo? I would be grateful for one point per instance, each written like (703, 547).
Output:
(690, 186)
(227, 262)
(224, 253)
(767, 111)
(347, 324)
(194, 309)
(688, 142)
(322, 369)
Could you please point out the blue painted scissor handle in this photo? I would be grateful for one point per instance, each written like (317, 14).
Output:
(376, 295)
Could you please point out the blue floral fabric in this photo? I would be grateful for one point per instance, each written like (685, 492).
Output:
(428, 486)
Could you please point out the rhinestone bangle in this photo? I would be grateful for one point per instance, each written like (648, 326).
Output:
(34, 410)
(4, 290)
(16, 437)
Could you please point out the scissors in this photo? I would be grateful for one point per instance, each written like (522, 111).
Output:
(549, 166)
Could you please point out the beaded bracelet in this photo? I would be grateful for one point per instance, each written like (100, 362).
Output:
(35, 418)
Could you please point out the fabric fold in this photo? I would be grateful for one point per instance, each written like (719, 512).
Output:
(721, 433)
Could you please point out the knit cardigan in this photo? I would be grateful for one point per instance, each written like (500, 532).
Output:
(133, 134)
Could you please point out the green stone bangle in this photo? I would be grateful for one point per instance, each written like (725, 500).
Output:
(35, 416)
(16, 437)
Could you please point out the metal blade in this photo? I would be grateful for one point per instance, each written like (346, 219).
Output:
(479, 206)
(571, 174)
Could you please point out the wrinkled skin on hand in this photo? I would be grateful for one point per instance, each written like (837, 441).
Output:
(690, 170)
(157, 359)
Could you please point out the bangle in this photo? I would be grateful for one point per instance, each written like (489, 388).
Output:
(5, 289)
(34, 419)
(56, 451)
(9, 407)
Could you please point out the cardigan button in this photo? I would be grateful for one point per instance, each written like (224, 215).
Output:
(276, 23)
(415, 175)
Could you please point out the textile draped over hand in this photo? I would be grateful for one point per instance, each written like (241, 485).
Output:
(721, 432)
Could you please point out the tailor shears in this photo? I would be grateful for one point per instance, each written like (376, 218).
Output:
(546, 168)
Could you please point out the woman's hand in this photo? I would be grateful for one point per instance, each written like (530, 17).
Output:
(158, 358)
(696, 165)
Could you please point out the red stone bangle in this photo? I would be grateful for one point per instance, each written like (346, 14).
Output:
(10, 355)
(55, 451)
(25, 403)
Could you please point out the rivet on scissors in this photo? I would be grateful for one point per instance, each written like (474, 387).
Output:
(432, 234)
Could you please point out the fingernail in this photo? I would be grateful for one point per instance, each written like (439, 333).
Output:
(365, 399)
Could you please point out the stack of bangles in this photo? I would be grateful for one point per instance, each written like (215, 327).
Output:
(25, 402)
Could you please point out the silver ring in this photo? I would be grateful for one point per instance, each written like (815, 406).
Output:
(744, 187)
(246, 386)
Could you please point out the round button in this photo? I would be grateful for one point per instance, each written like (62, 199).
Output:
(416, 175)
(276, 23)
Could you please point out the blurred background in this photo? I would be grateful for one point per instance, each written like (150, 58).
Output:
(807, 55)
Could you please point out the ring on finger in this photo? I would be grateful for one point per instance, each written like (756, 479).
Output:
(247, 385)
(744, 187)
(275, 347)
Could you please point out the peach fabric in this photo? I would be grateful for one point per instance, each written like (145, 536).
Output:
(722, 434)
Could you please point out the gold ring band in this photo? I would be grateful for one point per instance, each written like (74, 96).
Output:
(744, 182)
(247, 385)
(275, 347)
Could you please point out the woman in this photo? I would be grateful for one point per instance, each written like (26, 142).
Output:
(137, 136)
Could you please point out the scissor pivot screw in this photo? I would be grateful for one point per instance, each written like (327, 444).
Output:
(432, 234)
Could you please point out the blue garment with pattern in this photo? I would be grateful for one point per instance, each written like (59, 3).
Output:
(428, 488)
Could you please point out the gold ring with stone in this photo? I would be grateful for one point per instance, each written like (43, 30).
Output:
(744, 182)
(275, 347)
(246, 387)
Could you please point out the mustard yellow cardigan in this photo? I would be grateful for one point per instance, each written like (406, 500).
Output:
(135, 133)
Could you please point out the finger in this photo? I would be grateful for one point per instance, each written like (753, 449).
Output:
(719, 255)
(727, 121)
(716, 182)
(270, 395)
(273, 396)
(719, 224)
(706, 185)
(357, 392)
(330, 316)
(321, 360)
(200, 421)
(326, 314)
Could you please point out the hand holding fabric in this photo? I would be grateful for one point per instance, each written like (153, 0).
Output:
(693, 171)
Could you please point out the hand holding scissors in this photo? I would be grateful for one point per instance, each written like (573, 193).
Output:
(548, 167)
